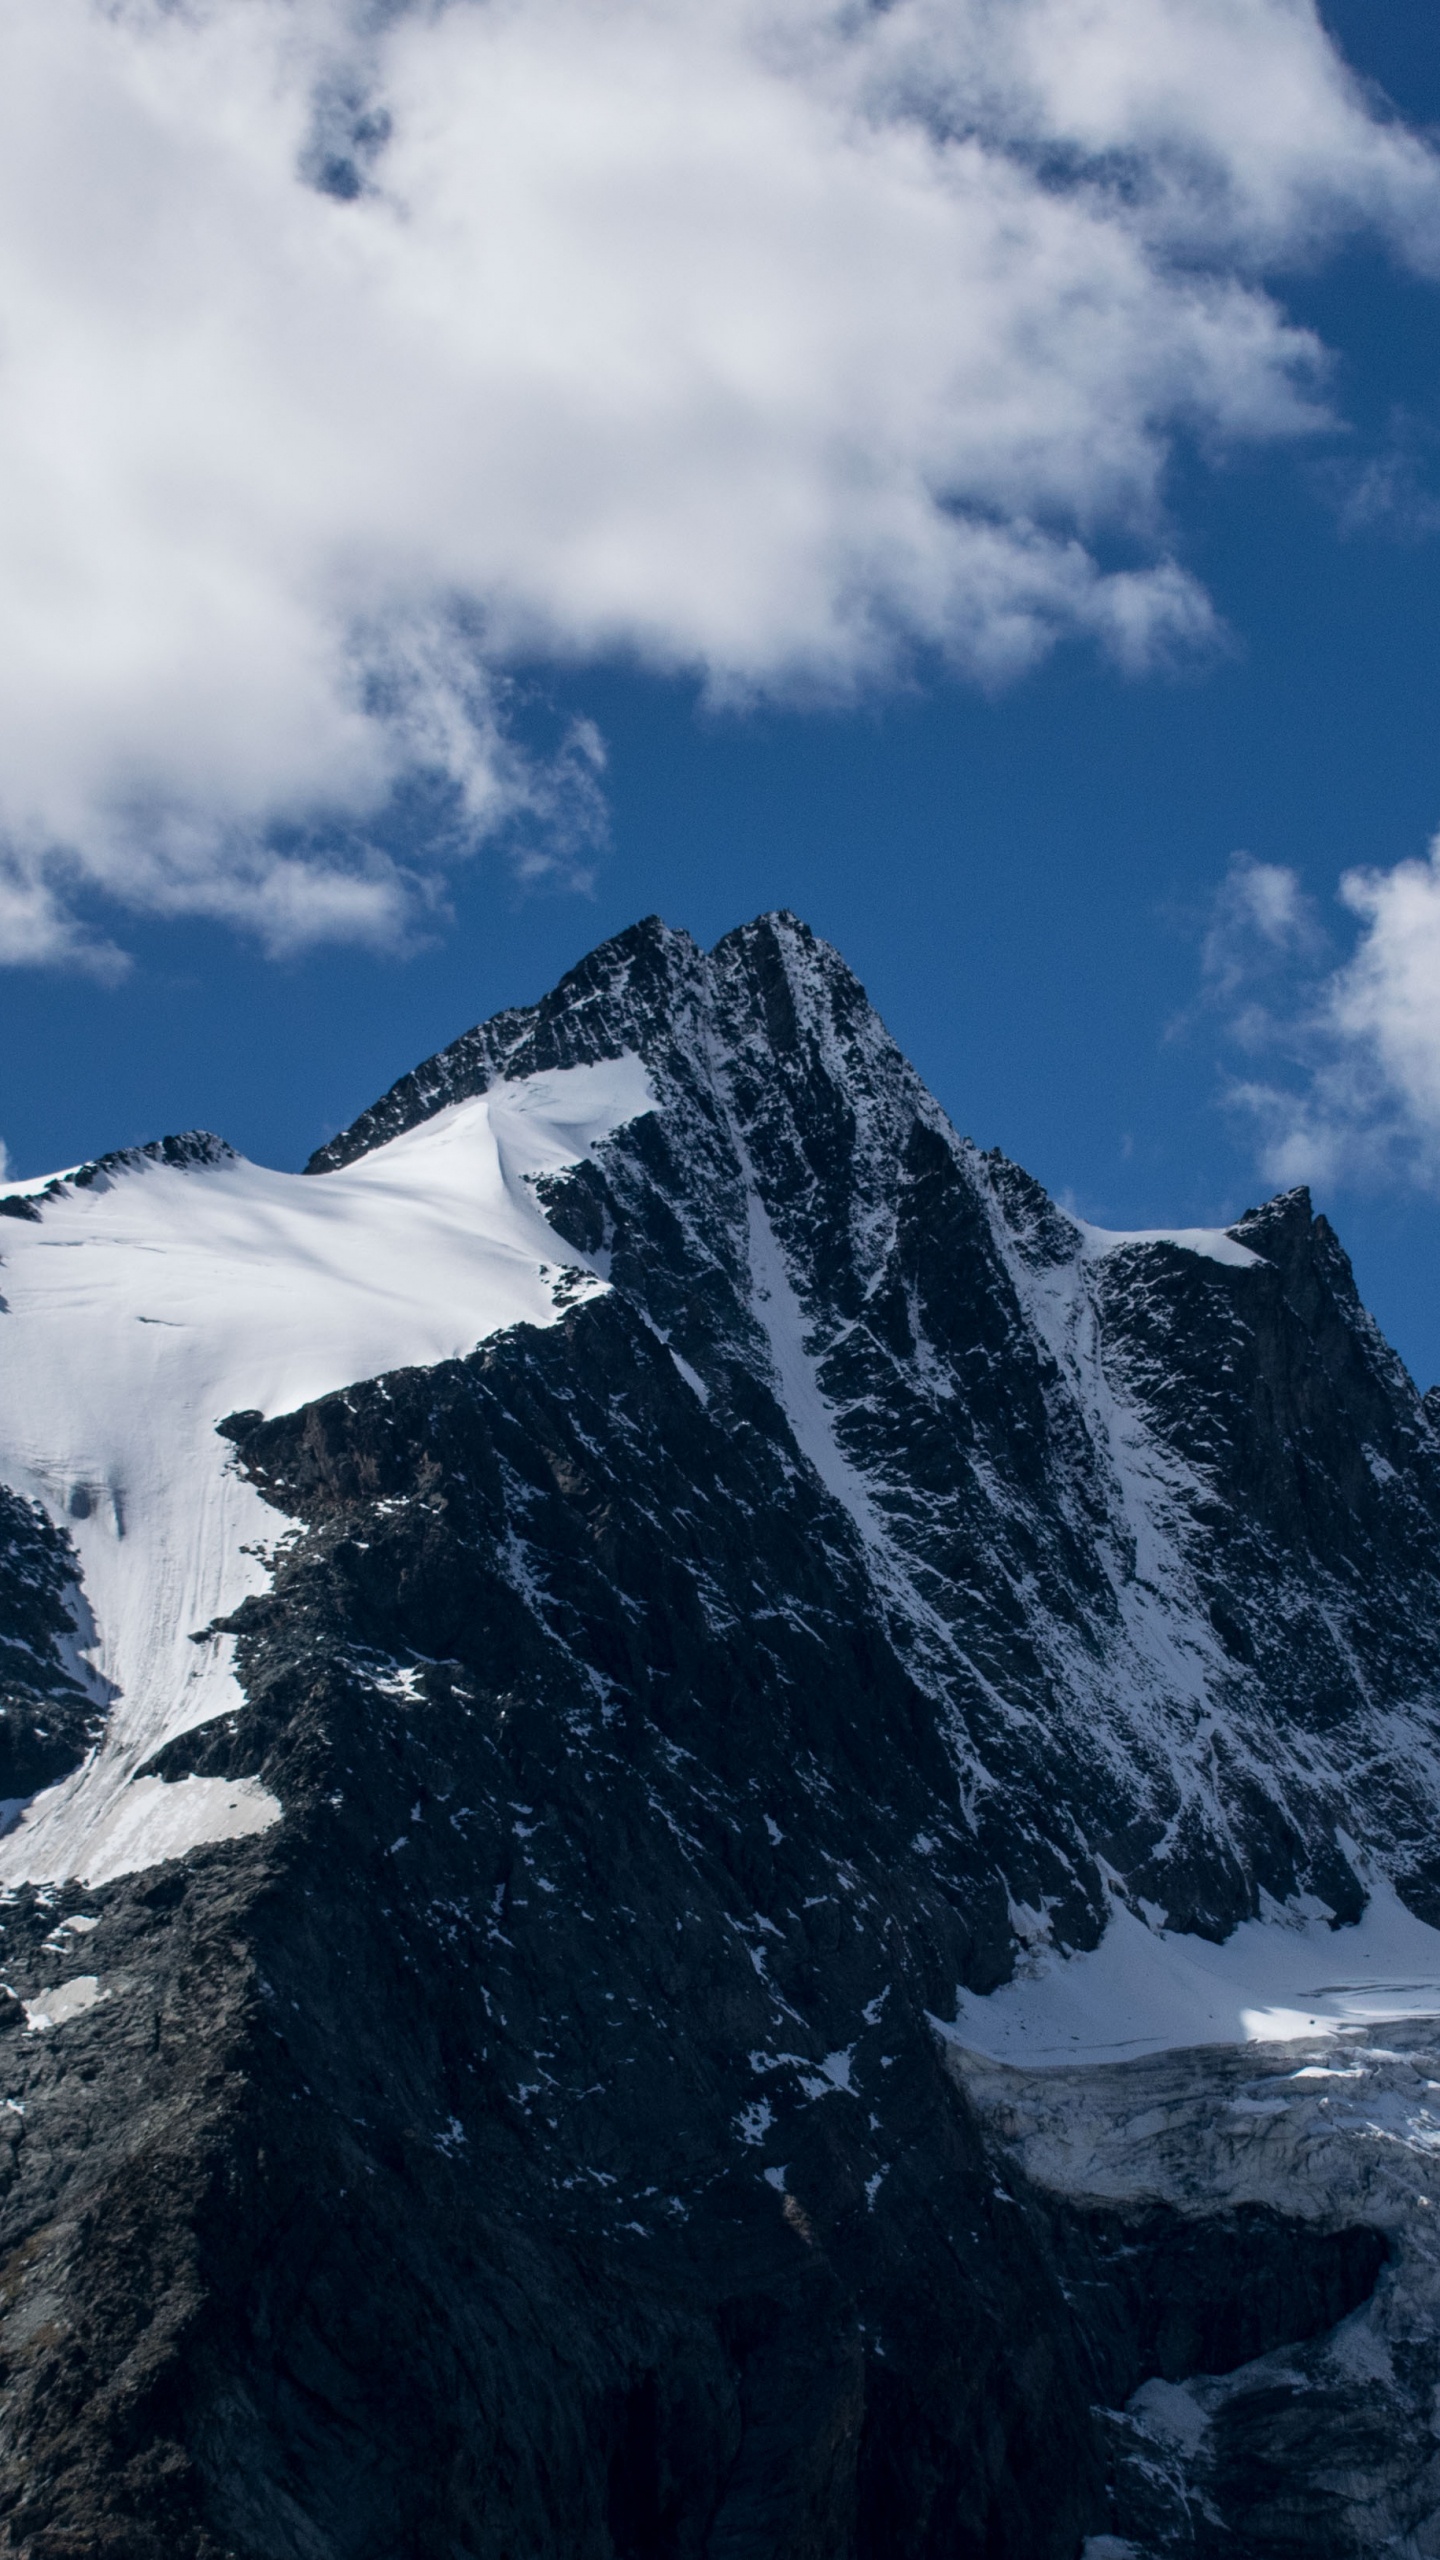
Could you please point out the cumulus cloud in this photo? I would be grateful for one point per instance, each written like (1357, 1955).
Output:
(1388, 997)
(1347, 1051)
(352, 358)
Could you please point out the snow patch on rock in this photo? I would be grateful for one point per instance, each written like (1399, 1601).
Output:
(70, 2000)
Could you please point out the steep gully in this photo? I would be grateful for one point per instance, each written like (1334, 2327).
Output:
(850, 1600)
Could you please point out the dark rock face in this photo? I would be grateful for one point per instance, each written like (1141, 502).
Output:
(48, 1717)
(1160, 2297)
(540, 2142)
(1057, 1469)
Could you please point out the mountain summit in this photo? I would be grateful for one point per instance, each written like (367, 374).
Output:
(706, 1814)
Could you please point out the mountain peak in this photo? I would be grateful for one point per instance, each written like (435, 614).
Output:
(608, 1711)
(631, 992)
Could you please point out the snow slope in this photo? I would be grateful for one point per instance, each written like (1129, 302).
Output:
(150, 1302)
(1147, 1990)
(1214, 1243)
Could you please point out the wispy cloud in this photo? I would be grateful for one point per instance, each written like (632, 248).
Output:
(1261, 926)
(1393, 492)
(352, 356)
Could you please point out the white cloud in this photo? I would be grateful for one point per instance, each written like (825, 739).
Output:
(1361, 1040)
(1262, 920)
(1386, 1001)
(347, 361)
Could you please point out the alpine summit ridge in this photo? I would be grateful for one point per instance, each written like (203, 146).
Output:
(709, 1824)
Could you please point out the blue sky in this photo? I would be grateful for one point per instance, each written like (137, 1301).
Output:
(1026, 865)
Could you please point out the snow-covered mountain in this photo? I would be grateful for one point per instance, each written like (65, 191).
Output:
(619, 1705)
(153, 1293)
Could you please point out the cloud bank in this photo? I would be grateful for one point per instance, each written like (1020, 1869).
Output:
(351, 358)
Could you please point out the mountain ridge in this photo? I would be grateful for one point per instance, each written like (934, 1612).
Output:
(838, 1591)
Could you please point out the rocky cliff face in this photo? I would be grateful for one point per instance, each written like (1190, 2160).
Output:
(868, 1589)
(1152, 1523)
(47, 1710)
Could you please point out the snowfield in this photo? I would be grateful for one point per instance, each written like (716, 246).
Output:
(149, 1303)
(1150, 1990)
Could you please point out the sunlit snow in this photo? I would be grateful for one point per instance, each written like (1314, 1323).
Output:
(1146, 1990)
(142, 1309)
(1212, 1242)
